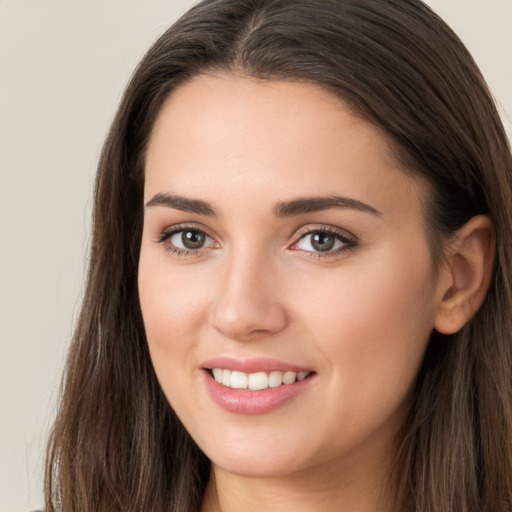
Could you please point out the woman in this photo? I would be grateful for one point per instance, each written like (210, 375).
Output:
(300, 277)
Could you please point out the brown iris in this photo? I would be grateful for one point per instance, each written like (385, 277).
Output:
(322, 241)
(193, 239)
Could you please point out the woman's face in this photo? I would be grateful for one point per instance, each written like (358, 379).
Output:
(282, 241)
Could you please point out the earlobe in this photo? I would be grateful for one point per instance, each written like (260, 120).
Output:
(469, 271)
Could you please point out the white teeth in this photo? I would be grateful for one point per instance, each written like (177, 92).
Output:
(239, 380)
(217, 374)
(226, 377)
(275, 379)
(302, 375)
(256, 381)
(289, 377)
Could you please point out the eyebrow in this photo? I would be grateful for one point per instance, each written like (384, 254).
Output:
(298, 206)
(183, 204)
(316, 204)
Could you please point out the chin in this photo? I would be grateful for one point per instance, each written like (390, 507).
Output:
(261, 467)
(273, 458)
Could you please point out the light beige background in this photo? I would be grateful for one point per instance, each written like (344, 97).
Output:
(63, 66)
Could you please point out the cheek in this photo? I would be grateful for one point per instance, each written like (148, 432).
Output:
(171, 300)
(171, 304)
(372, 321)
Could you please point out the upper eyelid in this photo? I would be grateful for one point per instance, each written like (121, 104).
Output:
(176, 228)
(308, 229)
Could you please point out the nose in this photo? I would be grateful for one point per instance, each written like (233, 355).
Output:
(248, 302)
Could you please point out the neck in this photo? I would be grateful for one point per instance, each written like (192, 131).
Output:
(320, 489)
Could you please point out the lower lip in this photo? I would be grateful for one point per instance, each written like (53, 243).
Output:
(243, 401)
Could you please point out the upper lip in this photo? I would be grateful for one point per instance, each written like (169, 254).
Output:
(252, 365)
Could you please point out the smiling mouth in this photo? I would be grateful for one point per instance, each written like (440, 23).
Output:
(256, 381)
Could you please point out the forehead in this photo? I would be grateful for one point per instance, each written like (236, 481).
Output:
(222, 136)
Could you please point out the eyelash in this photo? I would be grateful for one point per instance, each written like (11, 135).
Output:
(165, 236)
(348, 241)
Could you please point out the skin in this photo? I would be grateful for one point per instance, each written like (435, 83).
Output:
(359, 317)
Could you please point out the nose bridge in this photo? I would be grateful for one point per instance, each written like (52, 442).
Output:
(247, 299)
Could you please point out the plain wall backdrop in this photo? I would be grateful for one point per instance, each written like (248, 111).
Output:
(63, 67)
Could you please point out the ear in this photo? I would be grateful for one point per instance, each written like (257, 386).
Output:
(468, 274)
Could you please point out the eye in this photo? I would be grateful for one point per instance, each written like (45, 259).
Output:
(323, 242)
(189, 239)
(184, 241)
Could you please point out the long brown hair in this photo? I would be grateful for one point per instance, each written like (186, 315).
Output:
(116, 444)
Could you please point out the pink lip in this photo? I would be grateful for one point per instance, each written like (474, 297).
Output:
(252, 365)
(247, 402)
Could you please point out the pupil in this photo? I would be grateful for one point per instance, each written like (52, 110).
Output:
(192, 239)
(322, 242)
